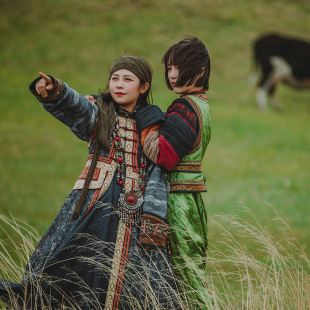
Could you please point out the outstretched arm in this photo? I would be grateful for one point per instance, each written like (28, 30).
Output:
(64, 103)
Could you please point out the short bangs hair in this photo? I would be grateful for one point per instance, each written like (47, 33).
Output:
(192, 58)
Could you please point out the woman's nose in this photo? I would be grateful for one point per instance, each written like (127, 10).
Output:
(119, 84)
(173, 74)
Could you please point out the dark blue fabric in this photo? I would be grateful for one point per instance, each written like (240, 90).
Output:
(81, 266)
(156, 193)
(186, 111)
(149, 115)
(73, 110)
(64, 268)
(74, 257)
(178, 134)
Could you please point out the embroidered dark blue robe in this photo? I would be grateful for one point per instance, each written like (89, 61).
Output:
(74, 261)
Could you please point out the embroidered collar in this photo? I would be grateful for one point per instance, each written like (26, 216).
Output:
(125, 112)
(197, 94)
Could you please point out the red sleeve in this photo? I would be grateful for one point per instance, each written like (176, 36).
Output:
(177, 135)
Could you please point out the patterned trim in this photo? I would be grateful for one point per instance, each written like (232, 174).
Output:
(182, 119)
(202, 96)
(100, 180)
(185, 182)
(131, 155)
(197, 143)
(119, 245)
(197, 162)
(128, 129)
(188, 166)
(121, 272)
(84, 173)
(92, 203)
(187, 186)
(180, 108)
(52, 94)
(153, 231)
(106, 166)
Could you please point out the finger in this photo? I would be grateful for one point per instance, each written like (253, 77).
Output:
(37, 87)
(45, 77)
(41, 87)
(90, 98)
(47, 84)
(49, 87)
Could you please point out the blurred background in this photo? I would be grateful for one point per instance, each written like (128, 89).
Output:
(254, 159)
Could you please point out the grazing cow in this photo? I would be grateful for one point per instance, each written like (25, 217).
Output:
(281, 59)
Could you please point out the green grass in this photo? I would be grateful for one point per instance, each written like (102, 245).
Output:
(253, 159)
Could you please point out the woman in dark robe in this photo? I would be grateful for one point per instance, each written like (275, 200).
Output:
(106, 248)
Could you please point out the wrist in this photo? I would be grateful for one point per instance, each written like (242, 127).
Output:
(52, 94)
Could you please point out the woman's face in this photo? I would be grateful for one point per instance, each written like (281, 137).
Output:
(125, 89)
(173, 74)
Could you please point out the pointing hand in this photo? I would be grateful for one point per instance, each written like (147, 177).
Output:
(44, 84)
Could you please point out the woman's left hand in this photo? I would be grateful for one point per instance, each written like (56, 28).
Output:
(91, 98)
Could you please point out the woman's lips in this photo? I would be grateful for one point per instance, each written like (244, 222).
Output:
(172, 83)
(119, 94)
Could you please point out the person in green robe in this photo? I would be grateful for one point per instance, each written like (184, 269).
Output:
(178, 144)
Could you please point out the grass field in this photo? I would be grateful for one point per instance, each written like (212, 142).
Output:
(253, 159)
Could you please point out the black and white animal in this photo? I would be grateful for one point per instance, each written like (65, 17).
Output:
(281, 59)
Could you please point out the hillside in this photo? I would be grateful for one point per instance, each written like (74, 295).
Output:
(253, 159)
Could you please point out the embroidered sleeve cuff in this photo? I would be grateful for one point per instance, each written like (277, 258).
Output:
(148, 116)
(52, 94)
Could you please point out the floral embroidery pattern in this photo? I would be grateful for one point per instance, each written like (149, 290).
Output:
(153, 231)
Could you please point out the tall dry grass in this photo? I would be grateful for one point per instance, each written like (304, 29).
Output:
(274, 276)
(16, 249)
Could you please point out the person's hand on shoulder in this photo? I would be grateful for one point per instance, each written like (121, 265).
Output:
(91, 98)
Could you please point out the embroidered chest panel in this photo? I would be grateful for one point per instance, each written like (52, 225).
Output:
(106, 166)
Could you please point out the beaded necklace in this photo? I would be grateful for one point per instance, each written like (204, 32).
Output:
(129, 207)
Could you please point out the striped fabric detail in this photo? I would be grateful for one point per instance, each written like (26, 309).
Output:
(187, 186)
(188, 166)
